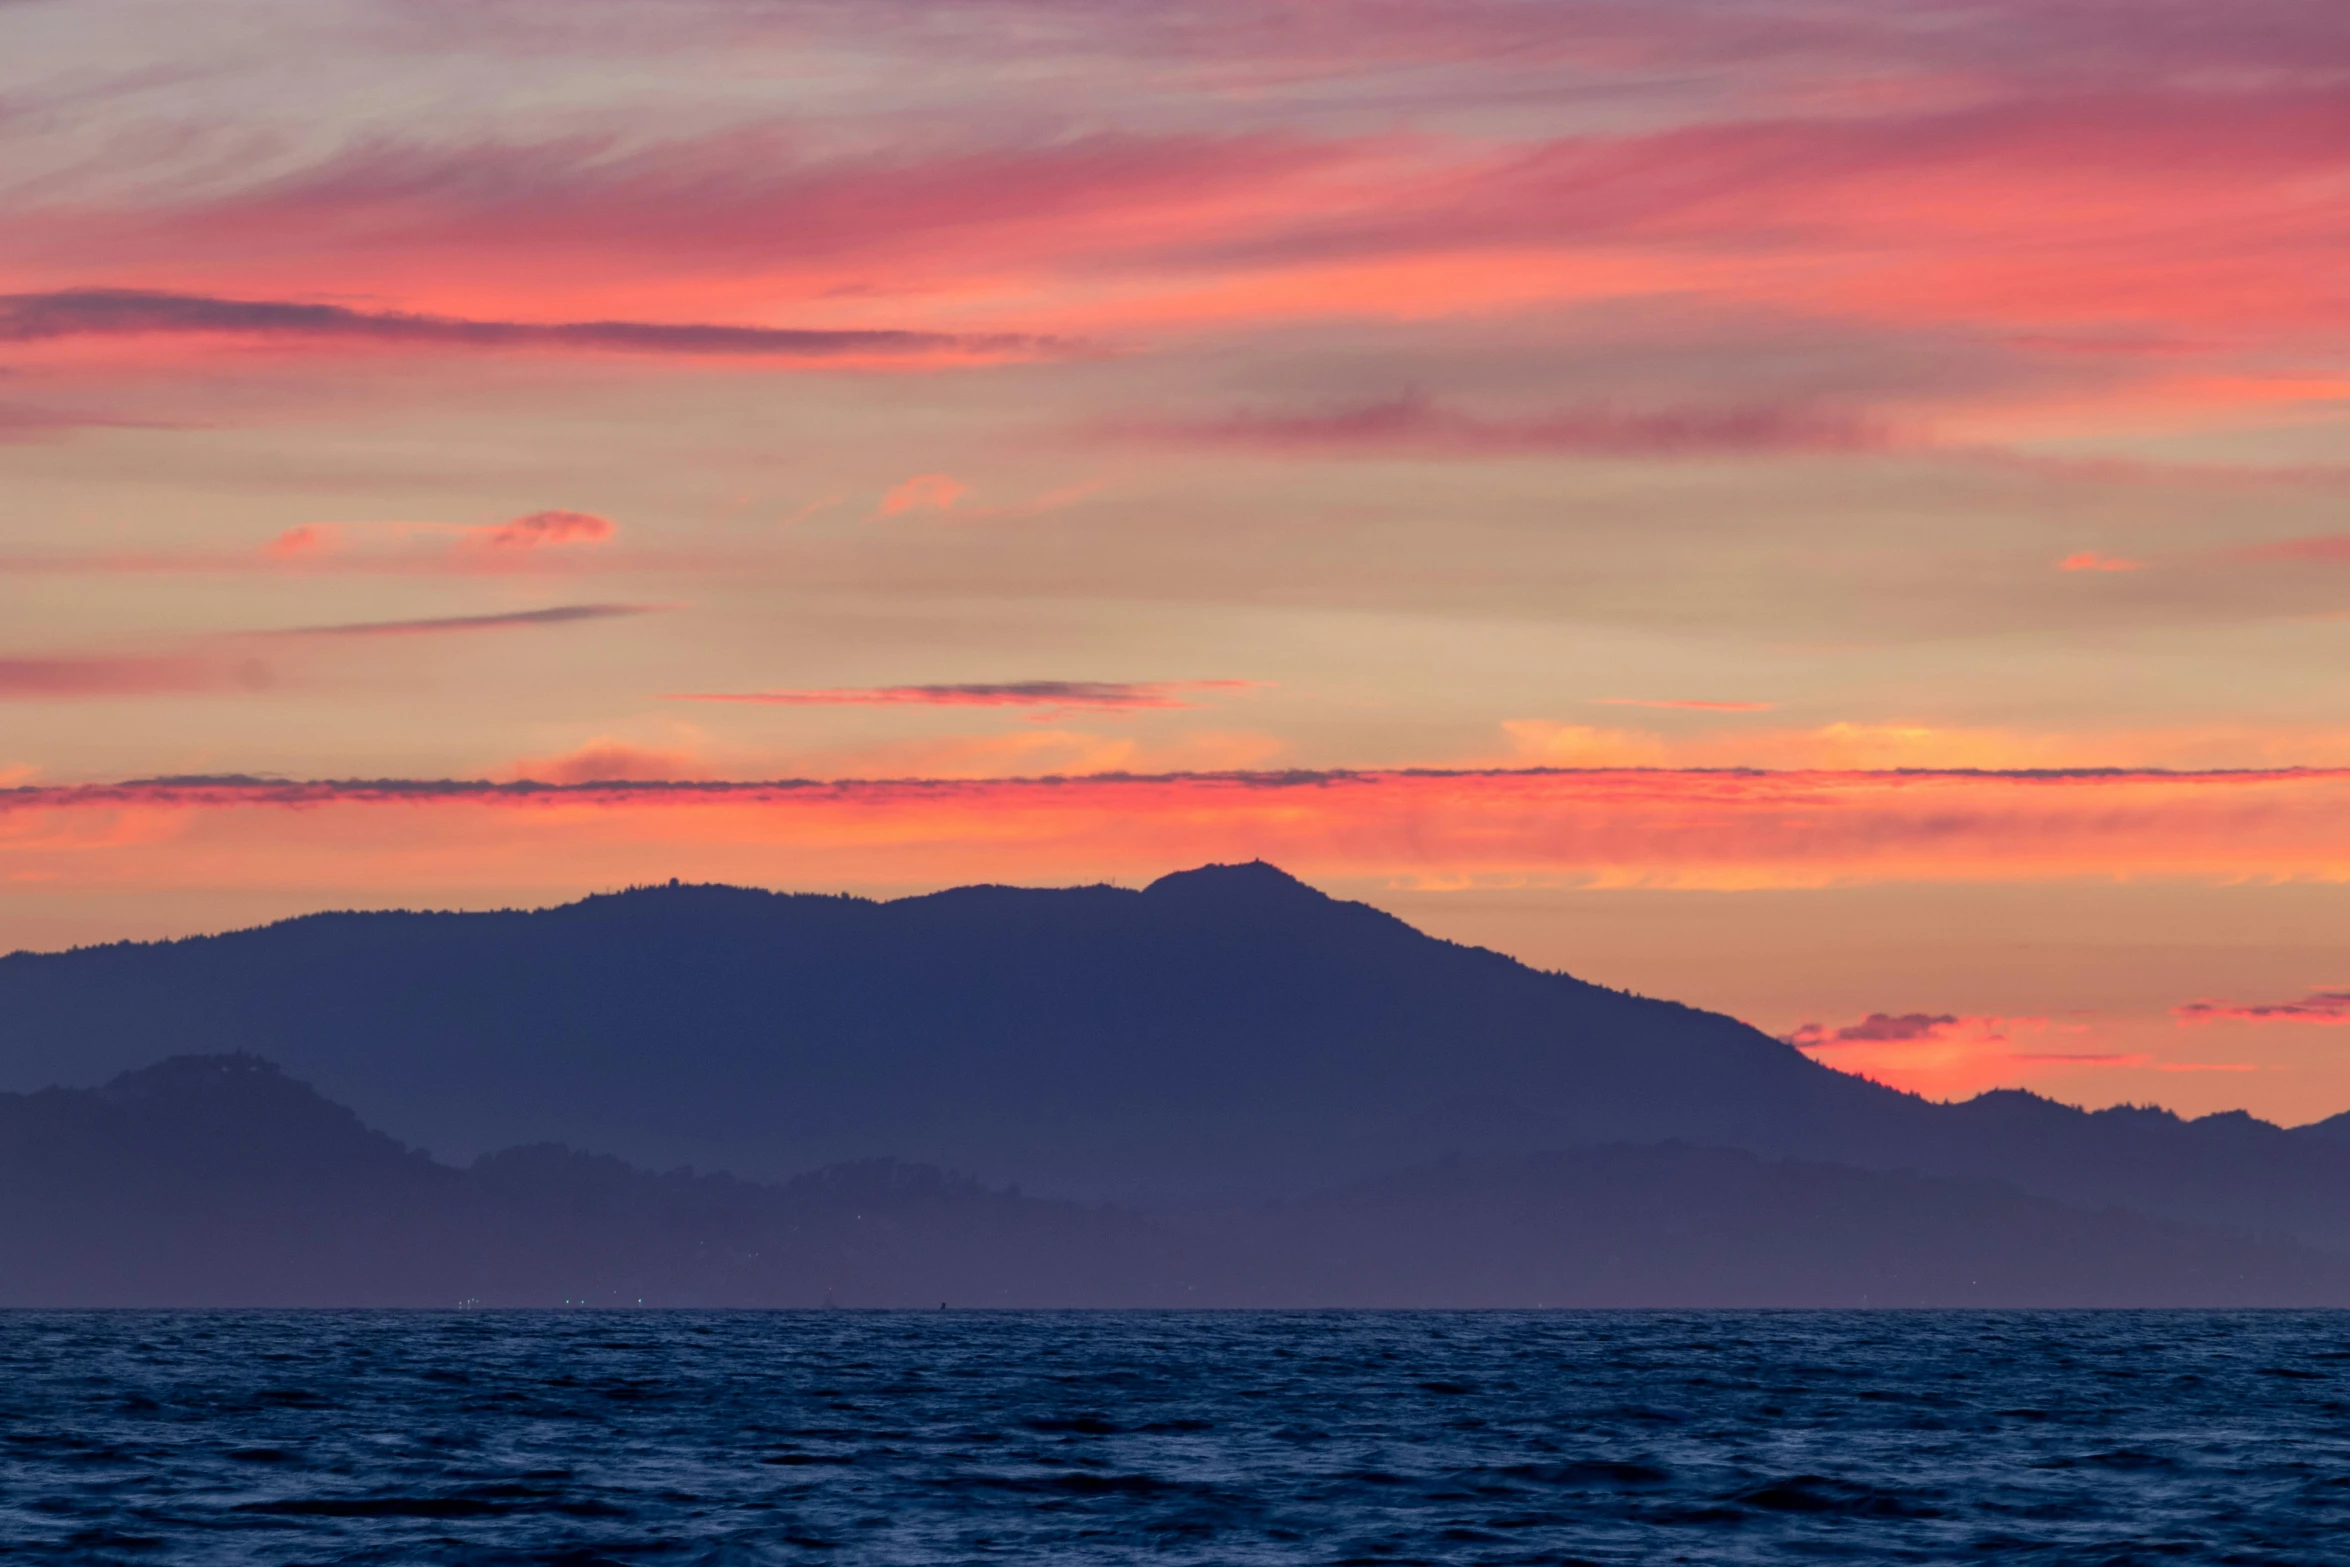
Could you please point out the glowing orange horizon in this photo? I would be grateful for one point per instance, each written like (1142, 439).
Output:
(1606, 827)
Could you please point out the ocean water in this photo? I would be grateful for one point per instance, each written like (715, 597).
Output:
(1325, 1437)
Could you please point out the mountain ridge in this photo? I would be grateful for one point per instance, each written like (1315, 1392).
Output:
(1222, 1032)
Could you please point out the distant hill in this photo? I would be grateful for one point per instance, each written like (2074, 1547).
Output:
(1226, 1032)
(216, 1181)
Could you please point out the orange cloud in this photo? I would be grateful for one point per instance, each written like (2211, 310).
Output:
(2090, 560)
(1942, 1055)
(1954, 1055)
(311, 538)
(923, 492)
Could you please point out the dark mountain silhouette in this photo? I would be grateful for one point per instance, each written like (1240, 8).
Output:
(217, 1181)
(1227, 1031)
(2334, 1128)
(213, 1181)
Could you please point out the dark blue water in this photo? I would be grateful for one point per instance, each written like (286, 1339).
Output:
(1174, 1438)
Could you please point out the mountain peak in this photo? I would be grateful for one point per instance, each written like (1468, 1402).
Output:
(1255, 880)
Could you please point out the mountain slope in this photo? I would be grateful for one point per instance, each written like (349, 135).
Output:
(1228, 1027)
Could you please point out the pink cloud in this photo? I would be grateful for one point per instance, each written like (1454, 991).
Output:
(923, 492)
(72, 678)
(556, 541)
(543, 529)
(2090, 560)
(2324, 1007)
(299, 543)
(745, 202)
(1957, 205)
(2082, 174)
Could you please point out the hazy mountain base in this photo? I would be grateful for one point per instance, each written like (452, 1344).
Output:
(1226, 1034)
(217, 1181)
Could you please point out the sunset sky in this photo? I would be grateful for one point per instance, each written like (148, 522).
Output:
(1834, 510)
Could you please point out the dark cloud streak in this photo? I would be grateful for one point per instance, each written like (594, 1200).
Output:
(2319, 1006)
(555, 615)
(115, 312)
(1011, 693)
(1416, 426)
(255, 789)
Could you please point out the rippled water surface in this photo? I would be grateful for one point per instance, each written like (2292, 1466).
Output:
(1212, 1438)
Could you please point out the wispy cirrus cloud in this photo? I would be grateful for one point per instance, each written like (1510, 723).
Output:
(746, 202)
(215, 664)
(1120, 695)
(119, 312)
(2324, 1007)
(2037, 218)
(1982, 43)
(505, 620)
